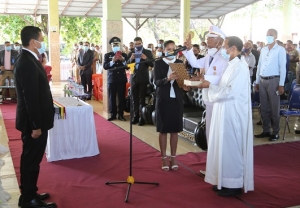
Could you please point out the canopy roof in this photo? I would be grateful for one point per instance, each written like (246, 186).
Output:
(200, 9)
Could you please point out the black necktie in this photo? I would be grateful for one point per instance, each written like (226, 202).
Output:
(210, 60)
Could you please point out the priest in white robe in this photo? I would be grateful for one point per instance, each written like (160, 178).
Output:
(229, 165)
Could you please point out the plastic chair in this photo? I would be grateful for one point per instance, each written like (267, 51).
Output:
(293, 107)
(284, 103)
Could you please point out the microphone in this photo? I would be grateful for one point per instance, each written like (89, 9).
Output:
(178, 50)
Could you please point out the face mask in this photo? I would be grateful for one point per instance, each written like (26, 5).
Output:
(158, 54)
(92, 48)
(246, 50)
(85, 48)
(138, 48)
(17, 47)
(80, 47)
(212, 51)
(75, 47)
(116, 48)
(224, 54)
(202, 47)
(270, 39)
(42, 49)
(8, 48)
(169, 57)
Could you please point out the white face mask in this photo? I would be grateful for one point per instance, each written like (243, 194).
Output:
(202, 47)
(212, 51)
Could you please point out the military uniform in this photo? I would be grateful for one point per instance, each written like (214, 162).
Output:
(116, 81)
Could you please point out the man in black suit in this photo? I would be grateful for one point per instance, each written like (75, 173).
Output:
(116, 78)
(7, 61)
(140, 78)
(17, 47)
(35, 115)
(84, 64)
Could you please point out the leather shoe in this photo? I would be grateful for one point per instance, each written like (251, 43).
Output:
(38, 203)
(229, 191)
(121, 118)
(42, 196)
(141, 122)
(112, 118)
(263, 134)
(135, 120)
(274, 137)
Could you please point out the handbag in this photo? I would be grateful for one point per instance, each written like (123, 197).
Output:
(200, 133)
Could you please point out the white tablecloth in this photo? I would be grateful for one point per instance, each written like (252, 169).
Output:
(65, 70)
(75, 136)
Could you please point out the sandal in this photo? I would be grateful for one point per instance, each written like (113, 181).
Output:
(174, 167)
(164, 167)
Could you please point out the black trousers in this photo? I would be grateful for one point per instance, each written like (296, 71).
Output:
(138, 94)
(86, 81)
(114, 90)
(32, 155)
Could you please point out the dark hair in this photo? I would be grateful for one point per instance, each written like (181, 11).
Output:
(87, 42)
(28, 33)
(289, 41)
(6, 42)
(255, 46)
(235, 41)
(17, 43)
(80, 43)
(168, 42)
(196, 46)
(274, 31)
(180, 46)
(204, 43)
(138, 39)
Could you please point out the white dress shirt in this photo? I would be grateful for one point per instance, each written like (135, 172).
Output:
(172, 91)
(33, 53)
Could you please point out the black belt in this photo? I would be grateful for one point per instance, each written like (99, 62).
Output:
(271, 77)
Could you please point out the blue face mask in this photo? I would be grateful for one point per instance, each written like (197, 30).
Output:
(158, 54)
(138, 48)
(246, 50)
(8, 48)
(116, 48)
(169, 56)
(270, 39)
(85, 48)
(17, 48)
(224, 54)
(42, 49)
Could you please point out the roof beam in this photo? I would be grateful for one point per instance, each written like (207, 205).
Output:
(178, 2)
(150, 5)
(98, 2)
(127, 2)
(5, 6)
(67, 6)
(216, 8)
(36, 7)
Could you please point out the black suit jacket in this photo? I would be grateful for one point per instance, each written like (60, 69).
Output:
(86, 60)
(13, 57)
(256, 55)
(35, 105)
(163, 86)
(117, 75)
(141, 75)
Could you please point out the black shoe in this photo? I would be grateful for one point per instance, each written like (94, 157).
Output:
(274, 137)
(141, 122)
(215, 188)
(38, 203)
(42, 196)
(121, 118)
(135, 120)
(259, 123)
(297, 131)
(112, 118)
(230, 192)
(263, 134)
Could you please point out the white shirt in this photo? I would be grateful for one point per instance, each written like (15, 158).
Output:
(250, 59)
(172, 92)
(33, 53)
(272, 63)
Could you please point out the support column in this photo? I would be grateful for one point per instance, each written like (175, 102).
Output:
(53, 39)
(287, 20)
(112, 26)
(185, 10)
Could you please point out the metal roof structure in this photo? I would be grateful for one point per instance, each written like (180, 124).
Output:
(200, 9)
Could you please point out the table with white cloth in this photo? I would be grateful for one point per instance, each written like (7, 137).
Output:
(74, 132)
(65, 70)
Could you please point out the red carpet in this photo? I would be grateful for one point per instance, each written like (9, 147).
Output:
(80, 182)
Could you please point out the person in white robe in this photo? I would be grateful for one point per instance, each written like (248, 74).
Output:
(229, 165)
(213, 66)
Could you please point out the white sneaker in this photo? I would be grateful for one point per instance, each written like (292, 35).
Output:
(203, 172)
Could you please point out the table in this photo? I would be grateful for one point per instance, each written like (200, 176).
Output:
(74, 136)
(65, 70)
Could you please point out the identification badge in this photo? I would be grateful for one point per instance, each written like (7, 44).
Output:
(215, 68)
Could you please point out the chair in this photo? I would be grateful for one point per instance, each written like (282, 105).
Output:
(293, 107)
(284, 103)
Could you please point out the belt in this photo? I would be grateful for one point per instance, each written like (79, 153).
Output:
(271, 77)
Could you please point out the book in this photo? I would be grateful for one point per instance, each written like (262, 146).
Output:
(191, 83)
(180, 70)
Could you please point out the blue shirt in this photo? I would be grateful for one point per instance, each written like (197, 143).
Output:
(272, 63)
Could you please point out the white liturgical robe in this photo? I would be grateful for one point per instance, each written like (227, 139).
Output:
(230, 149)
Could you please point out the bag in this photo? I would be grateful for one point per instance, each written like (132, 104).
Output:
(200, 133)
(148, 109)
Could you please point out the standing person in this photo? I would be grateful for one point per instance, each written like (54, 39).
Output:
(249, 57)
(7, 61)
(169, 105)
(203, 49)
(214, 65)
(96, 58)
(293, 55)
(270, 77)
(196, 51)
(131, 47)
(116, 79)
(17, 47)
(139, 79)
(35, 116)
(84, 63)
(229, 166)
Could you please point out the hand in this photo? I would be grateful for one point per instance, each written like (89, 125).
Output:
(2, 68)
(115, 58)
(195, 78)
(256, 87)
(121, 58)
(172, 76)
(36, 133)
(143, 56)
(186, 88)
(188, 42)
(204, 84)
(202, 71)
(280, 90)
(132, 56)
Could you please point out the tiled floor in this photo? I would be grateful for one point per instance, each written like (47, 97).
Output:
(145, 133)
